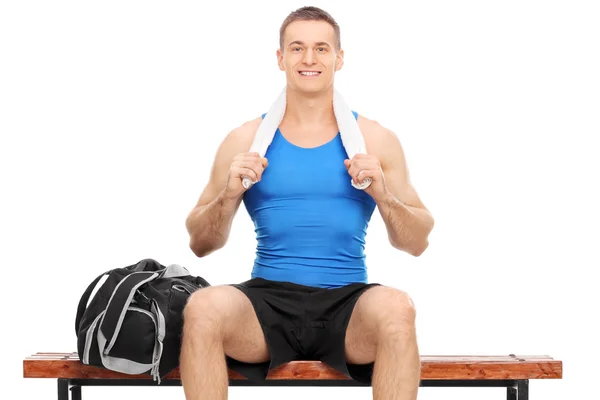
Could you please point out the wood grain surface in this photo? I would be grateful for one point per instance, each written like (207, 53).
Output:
(67, 365)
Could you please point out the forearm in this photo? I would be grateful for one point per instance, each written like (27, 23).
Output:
(408, 227)
(209, 225)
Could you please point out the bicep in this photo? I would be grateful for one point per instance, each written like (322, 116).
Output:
(218, 175)
(396, 172)
(215, 185)
(237, 141)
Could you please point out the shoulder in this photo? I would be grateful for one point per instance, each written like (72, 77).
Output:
(382, 142)
(385, 145)
(376, 135)
(237, 141)
(240, 138)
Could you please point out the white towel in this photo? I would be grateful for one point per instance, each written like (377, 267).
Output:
(352, 138)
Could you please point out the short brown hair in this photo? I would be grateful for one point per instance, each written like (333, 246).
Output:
(309, 13)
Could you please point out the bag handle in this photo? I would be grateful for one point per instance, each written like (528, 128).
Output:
(86, 295)
(84, 300)
(111, 322)
(174, 271)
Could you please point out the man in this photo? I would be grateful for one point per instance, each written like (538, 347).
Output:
(308, 297)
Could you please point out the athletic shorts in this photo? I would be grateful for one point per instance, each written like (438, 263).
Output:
(302, 323)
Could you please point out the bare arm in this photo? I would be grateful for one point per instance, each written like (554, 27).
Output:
(408, 226)
(209, 222)
(407, 220)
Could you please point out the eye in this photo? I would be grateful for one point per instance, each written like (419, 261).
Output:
(296, 49)
(321, 49)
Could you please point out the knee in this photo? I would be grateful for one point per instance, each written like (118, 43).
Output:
(397, 314)
(202, 313)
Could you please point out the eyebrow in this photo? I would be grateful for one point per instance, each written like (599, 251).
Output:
(302, 43)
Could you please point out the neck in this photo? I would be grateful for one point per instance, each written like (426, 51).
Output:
(309, 108)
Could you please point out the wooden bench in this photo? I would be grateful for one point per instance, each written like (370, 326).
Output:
(512, 372)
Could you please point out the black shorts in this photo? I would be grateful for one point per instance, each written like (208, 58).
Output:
(302, 323)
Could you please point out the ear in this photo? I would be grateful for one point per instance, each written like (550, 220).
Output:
(280, 59)
(339, 60)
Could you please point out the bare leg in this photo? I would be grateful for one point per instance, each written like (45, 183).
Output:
(397, 370)
(382, 329)
(218, 320)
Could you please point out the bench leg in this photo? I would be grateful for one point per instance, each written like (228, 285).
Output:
(523, 389)
(63, 389)
(75, 392)
(511, 393)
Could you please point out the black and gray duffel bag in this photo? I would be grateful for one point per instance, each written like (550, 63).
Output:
(134, 322)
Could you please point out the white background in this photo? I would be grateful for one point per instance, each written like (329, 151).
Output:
(111, 113)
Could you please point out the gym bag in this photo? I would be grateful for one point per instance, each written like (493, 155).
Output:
(134, 322)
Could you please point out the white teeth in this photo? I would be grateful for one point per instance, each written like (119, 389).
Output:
(309, 73)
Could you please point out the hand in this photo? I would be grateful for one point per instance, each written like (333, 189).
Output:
(363, 166)
(251, 165)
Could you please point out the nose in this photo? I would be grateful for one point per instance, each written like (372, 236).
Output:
(308, 58)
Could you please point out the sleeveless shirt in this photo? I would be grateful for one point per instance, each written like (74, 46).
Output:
(310, 223)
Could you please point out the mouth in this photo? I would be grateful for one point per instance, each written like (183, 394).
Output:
(309, 73)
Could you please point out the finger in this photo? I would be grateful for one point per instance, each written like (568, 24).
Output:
(369, 162)
(241, 172)
(253, 164)
(258, 170)
(367, 173)
(256, 167)
(258, 164)
(365, 163)
(354, 172)
(356, 167)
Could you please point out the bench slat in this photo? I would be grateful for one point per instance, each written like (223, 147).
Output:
(430, 358)
(439, 367)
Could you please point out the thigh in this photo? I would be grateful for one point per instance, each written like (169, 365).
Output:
(377, 311)
(232, 315)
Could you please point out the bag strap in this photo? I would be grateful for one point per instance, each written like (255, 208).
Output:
(111, 322)
(84, 300)
(128, 366)
(86, 295)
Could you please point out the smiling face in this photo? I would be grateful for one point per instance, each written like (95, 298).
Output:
(309, 57)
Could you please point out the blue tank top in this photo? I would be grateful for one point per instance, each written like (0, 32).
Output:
(310, 222)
